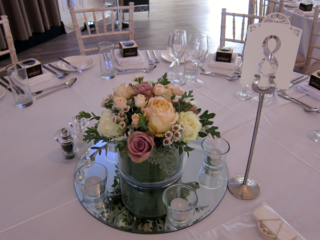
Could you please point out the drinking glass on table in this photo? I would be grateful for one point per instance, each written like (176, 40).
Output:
(197, 50)
(171, 75)
(107, 62)
(18, 78)
(178, 44)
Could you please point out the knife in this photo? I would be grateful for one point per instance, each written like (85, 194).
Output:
(5, 86)
(70, 64)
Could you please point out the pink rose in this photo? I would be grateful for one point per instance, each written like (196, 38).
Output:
(120, 102)
(145, 89)
(178, 91)
(135, 120)
(140, 146)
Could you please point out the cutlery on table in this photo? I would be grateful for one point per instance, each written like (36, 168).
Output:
(59, 69)
(70, 64)
(305, 106)
(298, 80)
(145, 70)
(215, 74)
(16, 88)
(57, 74)
(5, 86)
(49, 88)
(155, 56)
(150, 60)
(66, 85)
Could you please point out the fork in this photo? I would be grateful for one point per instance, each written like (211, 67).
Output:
(57, 74)
(145, 70)
(150, 60)
(155, 56)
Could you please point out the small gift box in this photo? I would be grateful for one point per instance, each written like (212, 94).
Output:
(128, 48)
(224, 54)
(306, 6)
(270, 226)
(315, 80)
(33, 67)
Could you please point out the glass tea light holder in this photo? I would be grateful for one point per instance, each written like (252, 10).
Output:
(210, 179)
(214, 152)
(91, 179)
(180, 201)
(65, 137)
(112, 152)
(79, 125)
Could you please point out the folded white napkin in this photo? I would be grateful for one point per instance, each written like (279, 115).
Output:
(44, 77)
(304, 13)
(310, 91)
(224, 65)
(128, 60)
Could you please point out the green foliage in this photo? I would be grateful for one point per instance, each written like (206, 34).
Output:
(83, 114)
(143, 123)
(121, 144)
(163, 80)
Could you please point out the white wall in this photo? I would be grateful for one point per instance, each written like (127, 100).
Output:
(79, 4)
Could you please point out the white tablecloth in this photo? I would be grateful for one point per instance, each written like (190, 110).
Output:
(37, 195)
(304, 23)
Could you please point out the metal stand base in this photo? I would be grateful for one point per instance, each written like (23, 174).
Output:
(247, 191)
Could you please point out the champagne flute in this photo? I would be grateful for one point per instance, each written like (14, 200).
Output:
(314, 135)
(197, 50)
(171, 74)
(179, 43)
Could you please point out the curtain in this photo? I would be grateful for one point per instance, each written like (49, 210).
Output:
(29, 16)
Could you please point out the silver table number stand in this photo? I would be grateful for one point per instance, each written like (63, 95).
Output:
(244, 187)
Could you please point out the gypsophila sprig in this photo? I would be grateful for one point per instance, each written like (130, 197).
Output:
(155, 114)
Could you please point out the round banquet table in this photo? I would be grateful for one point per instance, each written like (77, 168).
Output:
(38, 200)
(304, 23)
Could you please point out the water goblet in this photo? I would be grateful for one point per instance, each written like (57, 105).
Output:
(178, 44)
(197, 50)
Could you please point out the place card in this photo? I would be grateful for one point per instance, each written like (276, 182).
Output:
(306, 7)
(224, 54)
(271, 50)
(33, 67)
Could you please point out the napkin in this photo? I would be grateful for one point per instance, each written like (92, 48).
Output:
(44, 77)
(224, 65)
(128, 60)
(300, 12)
(307, 89)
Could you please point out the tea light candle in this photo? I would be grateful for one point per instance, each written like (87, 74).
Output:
(94, 188)
(179, 204)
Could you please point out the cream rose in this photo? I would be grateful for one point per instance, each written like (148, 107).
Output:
(158, 89)
(107, 126)
(191, 126)
(178, 91)
(135, 120)
(120, 102)
(123, 91)
(161, 115)
(140, 101)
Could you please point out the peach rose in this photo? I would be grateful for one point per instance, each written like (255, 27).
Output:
(140, 101)
(123, 91)
(158, 89)
(178, 91)
(161, 115)
(135, 120)
(120, 102)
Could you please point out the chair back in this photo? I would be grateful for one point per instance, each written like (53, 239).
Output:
(265, 7)
(112, 32)
(312, 44)
(236, 37)
(8, 36)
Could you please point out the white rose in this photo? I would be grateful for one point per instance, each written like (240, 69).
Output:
(123, 91)
(120, 102)
(191, 126)
(107, 127)
(178, 91)
(158, 89)
(140, 101)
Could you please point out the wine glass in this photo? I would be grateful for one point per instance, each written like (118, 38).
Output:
(197, 50)
(314, 135)
(244, 94)
(171, 74)
(178, 44)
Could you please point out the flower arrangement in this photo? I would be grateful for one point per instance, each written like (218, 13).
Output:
(148, 116)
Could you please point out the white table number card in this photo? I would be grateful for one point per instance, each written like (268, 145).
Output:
(271, 49)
